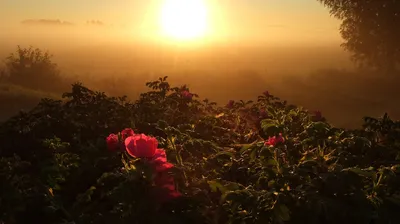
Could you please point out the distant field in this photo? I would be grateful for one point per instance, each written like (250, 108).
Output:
(222, 73)
(14, 98)
(343, 97)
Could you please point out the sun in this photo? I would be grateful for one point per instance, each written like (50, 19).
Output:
(184, 19)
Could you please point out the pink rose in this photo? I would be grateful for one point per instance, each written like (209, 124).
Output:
(141, 146)
(112, 142)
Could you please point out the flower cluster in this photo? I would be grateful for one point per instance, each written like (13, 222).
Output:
(272, 141)
(146, 148)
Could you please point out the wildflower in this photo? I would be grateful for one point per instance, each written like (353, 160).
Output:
(266, 93)
(272, 141)
(112, 142)
(186, 94)
(230, 104)
(127, 132)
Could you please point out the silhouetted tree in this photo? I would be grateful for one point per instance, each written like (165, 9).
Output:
(32, 68)
(2, 74)
(370, 29)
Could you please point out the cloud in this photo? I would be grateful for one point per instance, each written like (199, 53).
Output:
(95, 22)
(46, 22)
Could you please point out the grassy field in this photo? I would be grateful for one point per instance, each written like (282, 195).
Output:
(15, 98)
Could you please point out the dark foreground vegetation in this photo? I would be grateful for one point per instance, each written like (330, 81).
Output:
(246, 162)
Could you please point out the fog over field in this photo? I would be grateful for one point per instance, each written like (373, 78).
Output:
(308, 68)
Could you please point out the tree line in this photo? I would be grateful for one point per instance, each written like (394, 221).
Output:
(370, 29)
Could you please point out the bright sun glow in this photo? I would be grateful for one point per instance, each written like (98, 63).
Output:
(184, 19)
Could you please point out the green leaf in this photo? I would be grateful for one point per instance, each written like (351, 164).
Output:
(282, 212)
(215, 186)
(293, 112)
(267, 123)
(265, 152)
(395, 199)
(320, 126)
(232, 186)
(271, 111)
(271, 183)
(360, 172)
(273, 130)
(271, 162)
(253, 154)
(224, 153)
(309, 163)
(228, 196)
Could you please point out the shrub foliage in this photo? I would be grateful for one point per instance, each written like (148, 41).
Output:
(231, 164)
(33, 68)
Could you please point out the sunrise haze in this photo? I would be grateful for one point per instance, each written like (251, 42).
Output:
(216, 47)
(249, 34)
(261, 22)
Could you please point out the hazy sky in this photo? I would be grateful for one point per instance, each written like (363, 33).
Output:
(250, 20)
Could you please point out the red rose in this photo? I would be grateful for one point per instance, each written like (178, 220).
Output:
(141, 146)
(126, 133)
(272, 141)
(166, 184)
(112, 142)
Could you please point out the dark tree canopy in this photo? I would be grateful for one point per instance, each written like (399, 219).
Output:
(370, 29)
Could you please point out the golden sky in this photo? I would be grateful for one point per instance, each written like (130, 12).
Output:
(244, 21)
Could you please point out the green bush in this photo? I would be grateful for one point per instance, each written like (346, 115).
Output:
(33, 68)
(247, 162)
